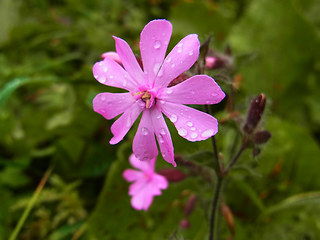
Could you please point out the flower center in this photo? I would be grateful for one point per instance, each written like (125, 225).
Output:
(146, 97)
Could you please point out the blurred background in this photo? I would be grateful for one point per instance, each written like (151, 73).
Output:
(51, 139)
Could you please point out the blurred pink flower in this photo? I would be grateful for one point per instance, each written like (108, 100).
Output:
(146, 183)
(148, 92)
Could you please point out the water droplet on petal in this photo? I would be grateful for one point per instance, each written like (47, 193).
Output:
(168, 59)
(105, 69)
(207, 133)
(163, 131)
(194, 135)
(190, 53)
(180, 44)
(182, 132)
(169, 90)
(213, 94)
(156, 68)
(103, 98)
(102, 79)
(144, 131)
(100, 64)
(179, 50)
(160, 138)
(173, 118)
(96, 76)
(157, 44)
(124, 82)
(111, 77)
(159, 116)
(190, 124)
(173, 65)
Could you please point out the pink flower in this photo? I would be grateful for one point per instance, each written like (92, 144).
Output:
(148, 92)
(147, 183)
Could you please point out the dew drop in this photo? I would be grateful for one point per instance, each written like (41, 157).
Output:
(190, 53)
(207, 133)
(213, 94)
(182, 132)
(169, 90)
(96, 76)
(144, 131)
(160, 138)
(156, 68)
(180, 45)
(179, 50)
(159, 116)
(100, 64)
(111, 77)
(173, 118)
(162, 102)
(190, 124)
(163, 131)
(103, 98)
(157, 44)
(105, 69)
(193, 128)
(102, 79)
(173, 65)
(194, 135)
(124, 82)
(169, 59)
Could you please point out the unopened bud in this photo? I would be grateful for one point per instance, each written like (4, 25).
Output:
(189, 207)
(255, 112)
(216, 60)
(182, 77)
(185, 224)
(172, 174)
(261, 137)
(228, 216)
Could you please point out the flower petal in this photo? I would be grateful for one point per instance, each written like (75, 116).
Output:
(163, 136)
(120, 127)
(142, 165)
(128, 60)
(154, 40)
(131, 175)
(179, 60)
(191, 124)
(160, 181)
(144, 144)
(199, 89)
(110, 73)
(142, 199)
(110, 105)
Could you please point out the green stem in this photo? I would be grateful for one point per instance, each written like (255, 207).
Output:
(215, 206)
(30, 204)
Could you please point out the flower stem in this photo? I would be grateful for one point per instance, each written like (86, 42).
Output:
(214, 206)
(235, 158)
(31, 204)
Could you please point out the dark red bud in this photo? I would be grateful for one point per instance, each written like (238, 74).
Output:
(261, 137)
(172, 174)
(185, 224)
(255, 112)
(182, 77)
(189, 207)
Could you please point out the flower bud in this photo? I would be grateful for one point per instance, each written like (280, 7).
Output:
(228, 216)
(216, 60)
(255, 112)
(189, 207)
(172, 174)
(185, 224)
(261, 137)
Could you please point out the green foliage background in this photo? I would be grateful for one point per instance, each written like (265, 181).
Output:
(47, 50)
